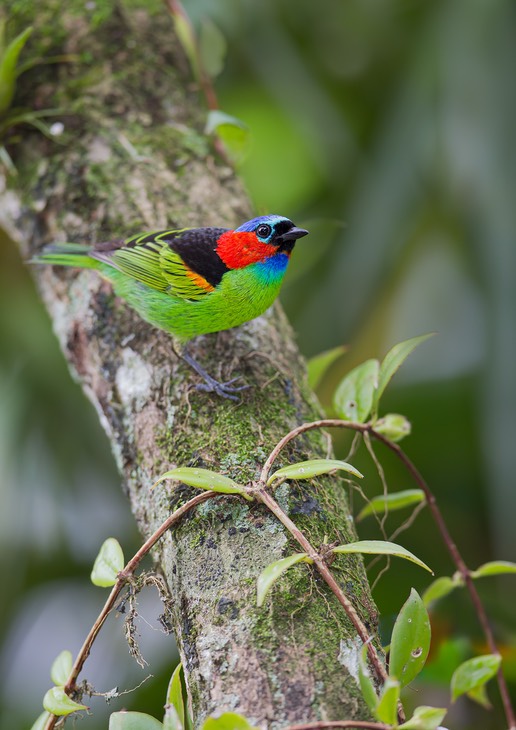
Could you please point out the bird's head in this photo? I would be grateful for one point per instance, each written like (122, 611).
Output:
(258, 240)
(274, 230)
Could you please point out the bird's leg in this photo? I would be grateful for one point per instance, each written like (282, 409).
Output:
(210, 385)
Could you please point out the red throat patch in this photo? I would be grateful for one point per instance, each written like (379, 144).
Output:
(239, 249)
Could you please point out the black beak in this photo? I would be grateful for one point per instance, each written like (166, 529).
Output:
(294, 234)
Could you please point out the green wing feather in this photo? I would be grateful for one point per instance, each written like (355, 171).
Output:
(149, 259)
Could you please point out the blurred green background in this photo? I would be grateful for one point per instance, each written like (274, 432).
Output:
(387, 128)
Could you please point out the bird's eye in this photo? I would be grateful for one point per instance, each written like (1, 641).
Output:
(263, 230)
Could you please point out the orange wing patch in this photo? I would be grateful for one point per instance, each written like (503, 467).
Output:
(198, 280)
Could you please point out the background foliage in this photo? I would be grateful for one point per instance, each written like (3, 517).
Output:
(386, 128)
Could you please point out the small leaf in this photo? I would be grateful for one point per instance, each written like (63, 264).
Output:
(440, 588)
(175, 694)
(186, 36)
(364, 680)
(231, 131)
(228, 721)
(313, 468)
(204, 479)
(391, 502)
(41, 721)
(212, 48)
(410, 641)
(496, 567)
(8, 63)
(353, 398)
(61, 667)
(479, 695)
(425, 718)
(58, 703)
(380, 547)
(272, 572)
(108, 563)
(319, 365)
(133, 721)
(393, 361)
(474, 673)
(387, 707)
(393, 426)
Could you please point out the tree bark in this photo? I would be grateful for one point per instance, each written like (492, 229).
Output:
(133, 157)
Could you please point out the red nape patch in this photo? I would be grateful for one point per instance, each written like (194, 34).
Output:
(239, 249)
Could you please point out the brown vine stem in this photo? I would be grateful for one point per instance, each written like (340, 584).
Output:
(459, 563)
(326, 574)
(438, 518)
(358, 724)
(123, 577)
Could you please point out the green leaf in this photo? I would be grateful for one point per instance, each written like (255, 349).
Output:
(319, 365)
(393, 426)
(272, 572)
(391, 502)
(364, 680)
(133, 721)
(231, 131)
(380, 547)
(393, 361)
(61, 667)
(425, 718)
(440, 588)
(41, 721)
(212, 48)
(496, 567)
(204, 479)
(313, 468)
(474, 673)
(58, 703)
(8, 63)
(108, 563)
(387, 707)
(410, 641)
(353, 398)
(479, 695)
(186, 37)
(175, 695)
(228, 721)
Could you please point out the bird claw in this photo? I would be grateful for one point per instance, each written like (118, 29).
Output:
(225, 390)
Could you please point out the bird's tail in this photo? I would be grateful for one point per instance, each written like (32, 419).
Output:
(66, 254)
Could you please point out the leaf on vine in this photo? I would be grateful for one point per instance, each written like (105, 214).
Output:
(228, 721)
(391, 502)
(364, 680)
(410, 641)
(474, 673)
(313, 468)
(275, 570)
(440, 588)
(319, 365)
(231, 131)
(392, 362)
(108, 564)
(204, 479)
(425, 718)
(57, 702)
(387, 707)
(41, 721)
(61, 667)
(353, 399)
(212, 48)
(393, 426)
(496, 567)
(133, 721)
(175, 701)
(380, 547)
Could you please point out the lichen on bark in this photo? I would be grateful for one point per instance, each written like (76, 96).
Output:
(134, 157)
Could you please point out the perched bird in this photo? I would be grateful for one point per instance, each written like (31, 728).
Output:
(192, 281)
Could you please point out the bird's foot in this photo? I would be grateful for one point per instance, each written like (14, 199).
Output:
(210, 385)
(225, 390)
